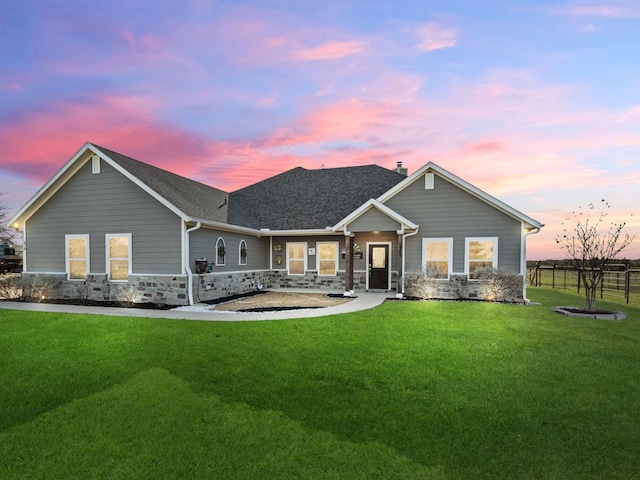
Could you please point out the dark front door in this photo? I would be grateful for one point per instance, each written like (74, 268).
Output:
(379, 267)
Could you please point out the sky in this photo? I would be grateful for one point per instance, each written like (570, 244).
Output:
(535, 102)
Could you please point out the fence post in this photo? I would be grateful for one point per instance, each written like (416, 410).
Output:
(627, 283)
(553, 276)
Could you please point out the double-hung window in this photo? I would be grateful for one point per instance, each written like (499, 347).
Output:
(118, 249)
(480, 253)
(297, 258)
(437, 254)
(327, 258)
(77, 256)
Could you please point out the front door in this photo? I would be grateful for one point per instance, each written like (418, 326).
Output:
(379, 267)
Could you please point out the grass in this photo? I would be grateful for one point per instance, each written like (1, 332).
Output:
(429, 390)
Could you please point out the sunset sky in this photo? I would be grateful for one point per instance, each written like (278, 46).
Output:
(536, 102)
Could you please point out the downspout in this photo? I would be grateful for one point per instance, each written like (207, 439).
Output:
(186, 260)
(404, 253)
(523, 265)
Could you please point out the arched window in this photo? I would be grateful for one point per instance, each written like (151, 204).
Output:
(242, 252)
(221, 251)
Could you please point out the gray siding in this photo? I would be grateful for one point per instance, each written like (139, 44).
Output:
(202, 243)
(98, 204)
(373, 220)
(311, 259)
(448, 211)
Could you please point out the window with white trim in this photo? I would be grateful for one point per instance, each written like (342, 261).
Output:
(118, 249)
(221, 251)
(480, 253)
(437, 257)
(242, 253)
(296, 258)
(327, 258)
(77, 256)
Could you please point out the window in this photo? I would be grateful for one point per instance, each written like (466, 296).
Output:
(221, 252)
(437, 256)
(327, 258)
(118, 256)
(77, 256)
(242, 252)
(297, 258)
(480, 253)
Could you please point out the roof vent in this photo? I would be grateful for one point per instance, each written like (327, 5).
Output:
(400, 169)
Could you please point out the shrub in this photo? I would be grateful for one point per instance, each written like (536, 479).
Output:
(499, 285)
(10, 287)
(423, 283)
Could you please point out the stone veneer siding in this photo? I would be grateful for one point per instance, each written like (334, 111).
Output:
(212, 286)
(459, 287)
(160, 289)
(172, 290)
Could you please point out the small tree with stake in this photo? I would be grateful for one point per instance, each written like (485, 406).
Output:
(590, 248)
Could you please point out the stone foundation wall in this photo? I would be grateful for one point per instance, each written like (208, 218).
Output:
(459, 287)
(212, 286)
(160, 289)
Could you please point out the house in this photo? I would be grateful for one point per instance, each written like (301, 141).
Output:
(108, 227)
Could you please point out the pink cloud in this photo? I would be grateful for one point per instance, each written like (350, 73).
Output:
(37, 144)
(436, 37)
(330, 50)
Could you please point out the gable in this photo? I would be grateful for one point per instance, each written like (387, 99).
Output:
(373, 220)
(186, 198)
(446, 208)
(438, 172)
(121, 207)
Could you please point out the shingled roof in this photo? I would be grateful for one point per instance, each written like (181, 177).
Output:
(195, 199)
(308, 199)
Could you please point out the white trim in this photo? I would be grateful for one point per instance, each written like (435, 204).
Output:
(336, 258)
(389, 261)
(468, 240)
(242, 240)
(304, 257)
(297, 233)
(449, 241)
(372, 203)
(464, 185)
(224, 257)
(186, 251)
(87, 256)
(108, 258)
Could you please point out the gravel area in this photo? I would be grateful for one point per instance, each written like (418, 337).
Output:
(277, 300)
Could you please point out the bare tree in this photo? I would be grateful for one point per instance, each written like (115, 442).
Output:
(6, 234)
(591, 246)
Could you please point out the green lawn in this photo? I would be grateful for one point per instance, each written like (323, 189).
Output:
(407, 390)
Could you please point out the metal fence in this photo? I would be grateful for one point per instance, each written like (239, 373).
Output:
(620, 282)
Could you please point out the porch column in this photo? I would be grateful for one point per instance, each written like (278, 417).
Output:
(399, 289)
(348, 244)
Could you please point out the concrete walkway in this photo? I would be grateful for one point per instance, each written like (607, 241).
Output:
(363, 301)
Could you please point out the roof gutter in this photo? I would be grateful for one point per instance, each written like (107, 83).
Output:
(523, 255)
(404, 253)
(186, 260)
